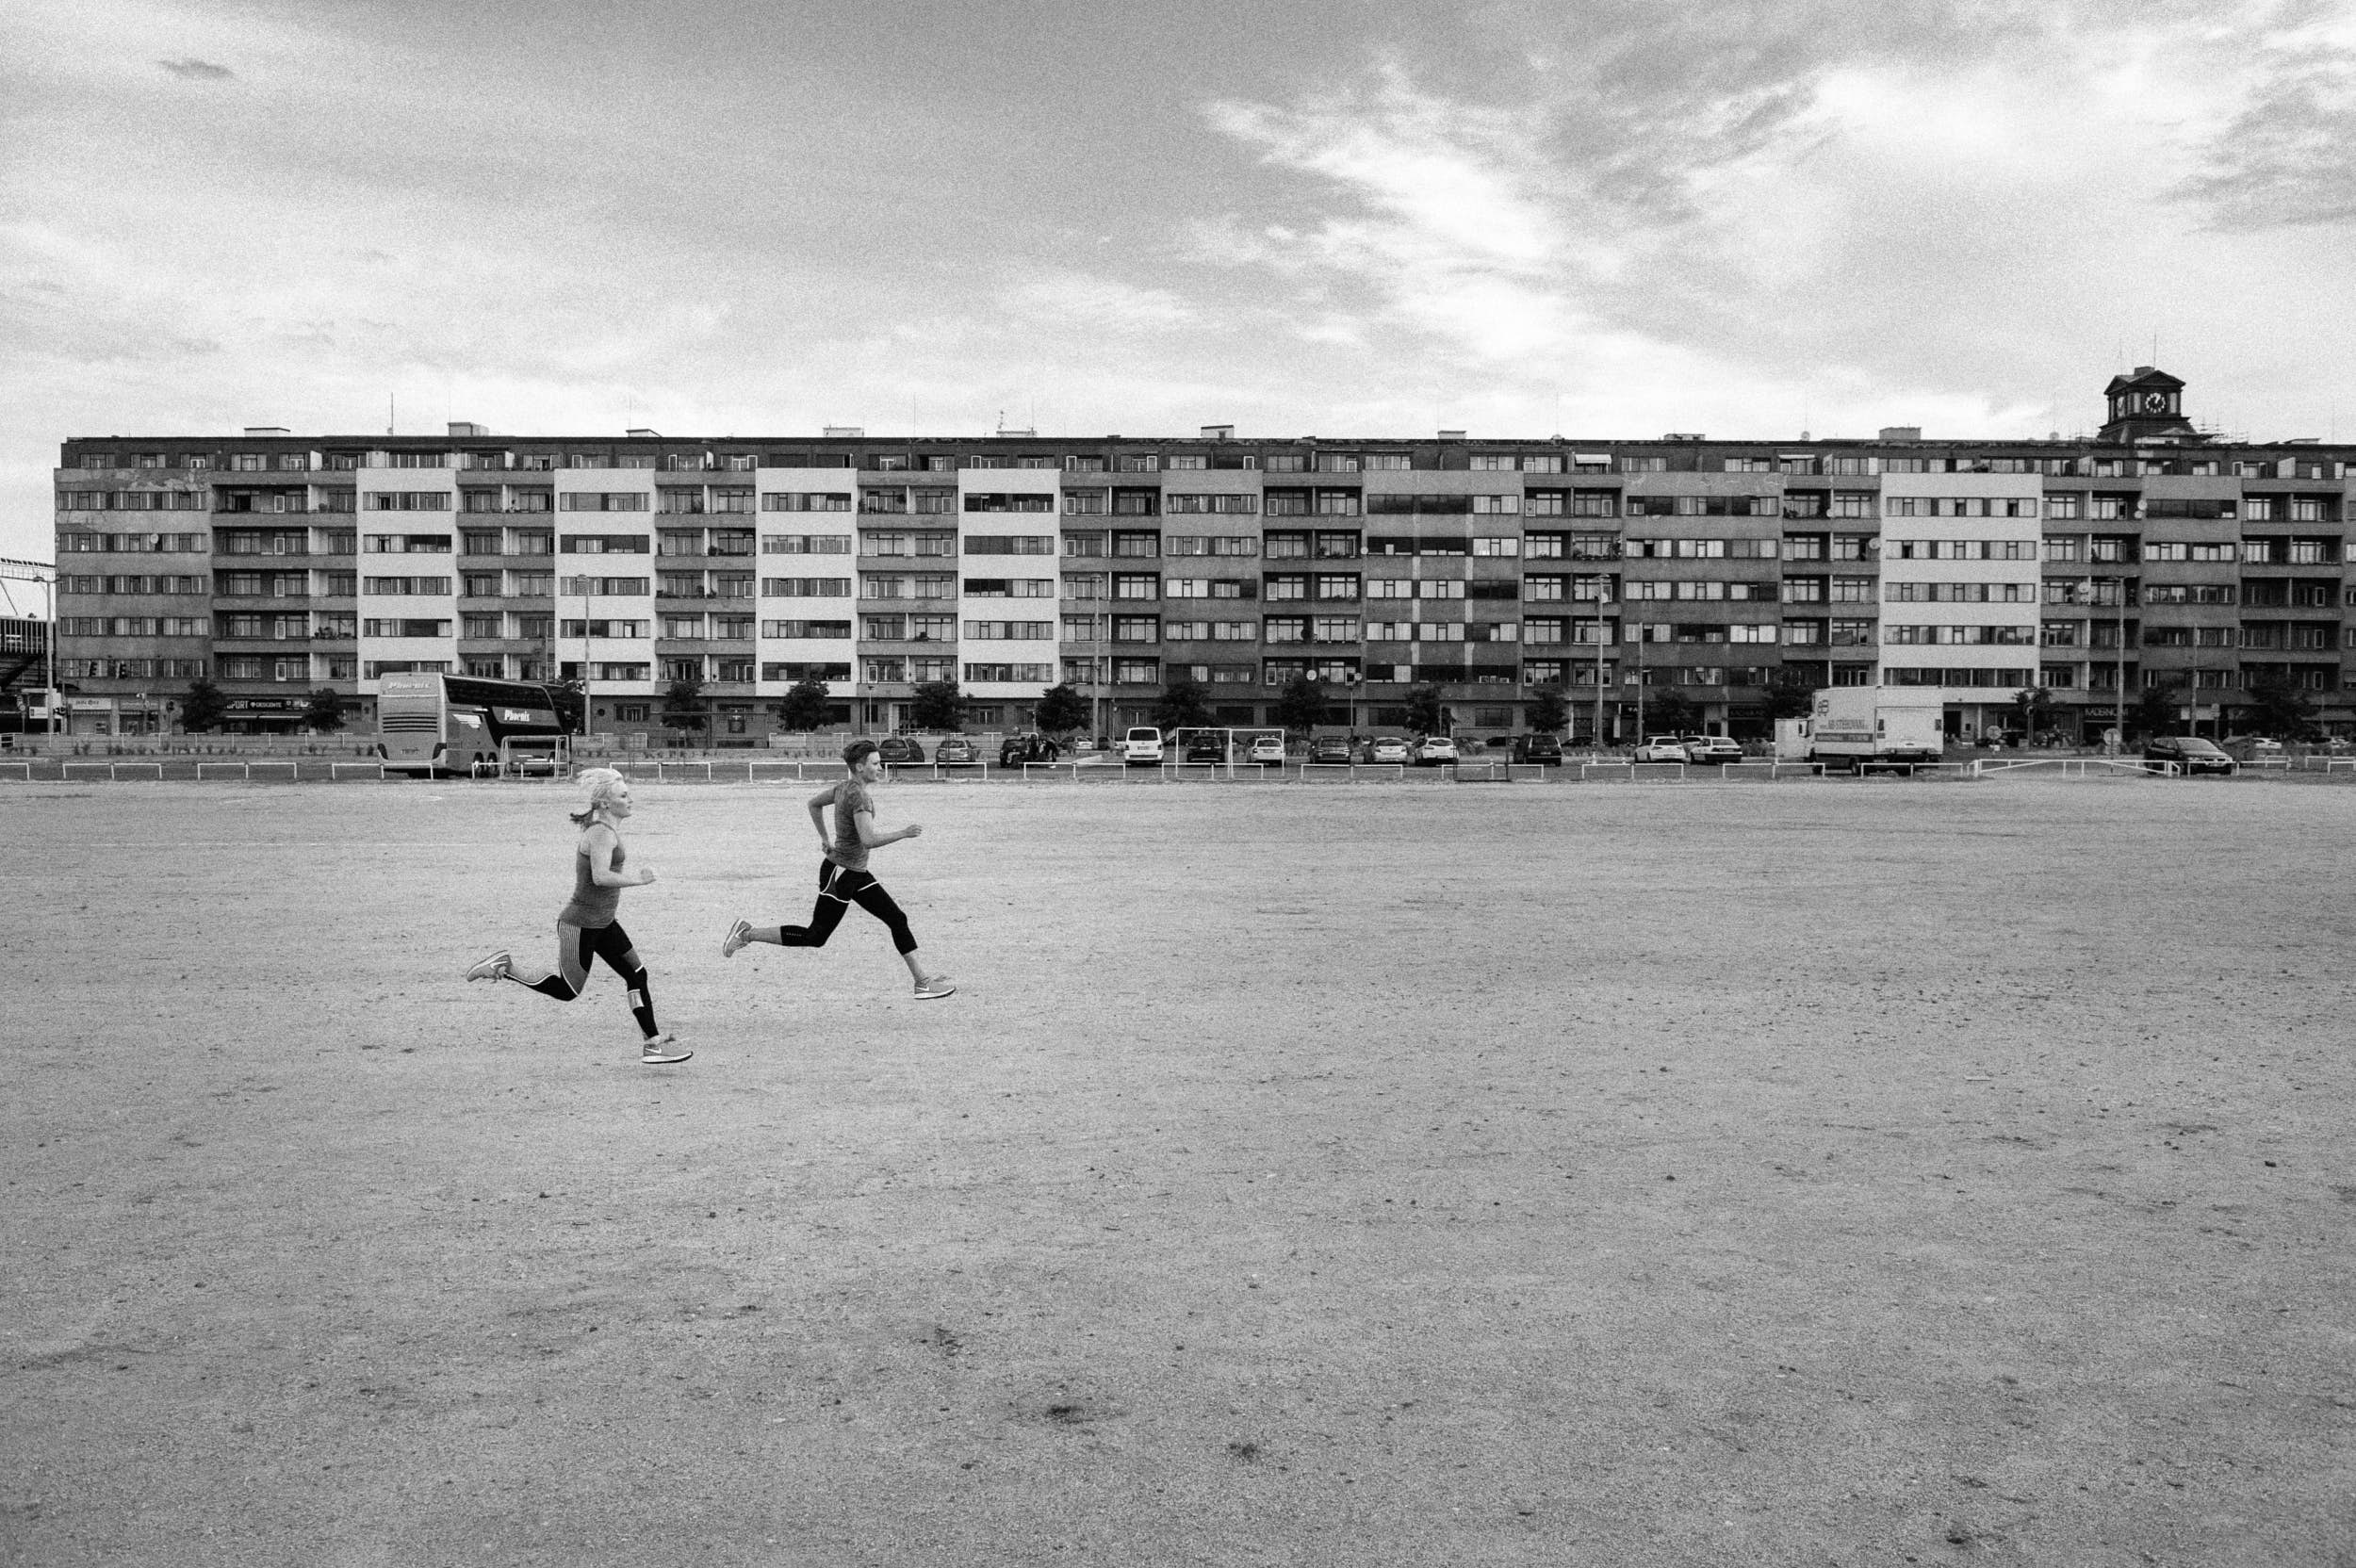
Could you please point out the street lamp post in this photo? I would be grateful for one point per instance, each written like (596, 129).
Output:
(2118, 685)
(1640, 683)
(1600, 652)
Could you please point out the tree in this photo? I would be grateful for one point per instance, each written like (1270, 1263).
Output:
(2272, 706)
(2154, 712)
(204, 708)
(325, 713)
(1673, 714)
(1791, 697)
(2032, 710)
(1301, 707)
(936, 705)
(1425, 714)
(1548, 711)
(805, 705)
(1183, 705)
(684, 705)
(564, 696)
(1060, 711)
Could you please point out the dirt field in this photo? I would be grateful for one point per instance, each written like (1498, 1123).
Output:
(1354, 1175)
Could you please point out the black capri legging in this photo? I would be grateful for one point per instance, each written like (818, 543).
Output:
(582, 945)
(578, 945)
(839, 888)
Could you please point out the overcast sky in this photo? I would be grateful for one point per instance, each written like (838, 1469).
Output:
(1300, 217)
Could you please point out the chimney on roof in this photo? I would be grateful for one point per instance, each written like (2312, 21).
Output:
(460, 427)
(1219, 432)
(1451, 435)
(1902, 432)
(649, 434)
(265, 430)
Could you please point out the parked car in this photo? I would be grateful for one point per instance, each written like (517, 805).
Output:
(900, 748)
(1270, 749)
(1432, 750)
(1389, 748)
(1206, 748)
(2190, 753)
(1015, 750)
(1330, 748)
(1663, 748)
(1141, 747)
(956, 749)
(1543, 749)
(1711, 749)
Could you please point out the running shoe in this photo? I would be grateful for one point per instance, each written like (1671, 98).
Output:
(935, 988)
(738, 934)
(493, 967)
(663, 1051)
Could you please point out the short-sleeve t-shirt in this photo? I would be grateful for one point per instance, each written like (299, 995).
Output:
(850, 799)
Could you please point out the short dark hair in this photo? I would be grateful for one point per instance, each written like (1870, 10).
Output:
(857, 752)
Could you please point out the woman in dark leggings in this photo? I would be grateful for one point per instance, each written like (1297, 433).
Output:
(843, 875)
(586, 929)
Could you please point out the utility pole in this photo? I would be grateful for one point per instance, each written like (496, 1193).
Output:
(1640, 683)
(1601, 627)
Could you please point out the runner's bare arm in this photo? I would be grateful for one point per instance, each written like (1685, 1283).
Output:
(603, 843)
(875, 838)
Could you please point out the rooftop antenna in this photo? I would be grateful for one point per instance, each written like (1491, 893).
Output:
(392, 411)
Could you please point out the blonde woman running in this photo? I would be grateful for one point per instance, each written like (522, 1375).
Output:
(586, 929)
(843, 878)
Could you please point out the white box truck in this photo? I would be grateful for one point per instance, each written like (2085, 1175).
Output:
(1862, 726)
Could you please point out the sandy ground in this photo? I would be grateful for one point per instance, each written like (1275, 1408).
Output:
(1740, 1174)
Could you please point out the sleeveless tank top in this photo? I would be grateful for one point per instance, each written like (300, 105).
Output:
(592, 905)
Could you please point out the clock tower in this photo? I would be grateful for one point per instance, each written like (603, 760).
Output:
(2147, 405)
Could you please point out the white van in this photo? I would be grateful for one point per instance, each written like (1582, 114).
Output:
(1142, 747)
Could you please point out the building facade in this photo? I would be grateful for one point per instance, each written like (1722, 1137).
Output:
(2148, 556)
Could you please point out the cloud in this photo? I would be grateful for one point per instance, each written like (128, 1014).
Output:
(1083, 300)
(2283, 159)
(193, 69)
(1452, 229)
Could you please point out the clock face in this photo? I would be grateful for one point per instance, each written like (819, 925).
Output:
(2155, 402)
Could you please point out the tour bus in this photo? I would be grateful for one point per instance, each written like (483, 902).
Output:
(437, 724)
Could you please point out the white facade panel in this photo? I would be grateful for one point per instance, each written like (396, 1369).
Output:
(1008, 569)
(605, 602)
(406, 574)
(807, 586)
(1960, 577)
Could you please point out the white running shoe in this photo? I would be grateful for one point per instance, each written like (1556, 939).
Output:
(661, 1050)
(492, 968)
(738, 934)
(935, 988)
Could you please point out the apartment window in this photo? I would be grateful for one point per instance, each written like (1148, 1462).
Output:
(806, 500)
(1140, 585)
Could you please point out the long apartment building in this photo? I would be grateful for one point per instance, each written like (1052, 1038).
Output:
(2149, 556)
